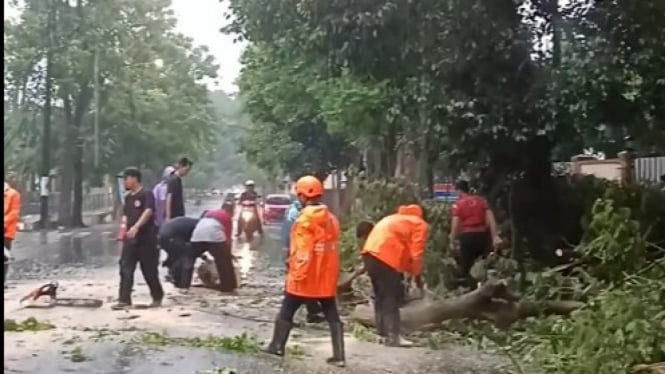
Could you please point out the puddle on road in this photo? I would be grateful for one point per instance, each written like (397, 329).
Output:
(246, 257)
(62, 253)
(86, 249)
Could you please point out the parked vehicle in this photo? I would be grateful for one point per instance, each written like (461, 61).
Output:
(274, 207)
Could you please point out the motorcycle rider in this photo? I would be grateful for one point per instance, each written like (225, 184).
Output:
(313, 270)
(313, 309)
(249, 195)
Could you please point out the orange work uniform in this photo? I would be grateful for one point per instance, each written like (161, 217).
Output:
(314, 254)
(398, 240)
(12, 210)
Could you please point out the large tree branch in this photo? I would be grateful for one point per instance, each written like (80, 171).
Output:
(493, 302)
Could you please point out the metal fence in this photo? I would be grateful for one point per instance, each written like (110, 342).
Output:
(649, 169)
(93, 201)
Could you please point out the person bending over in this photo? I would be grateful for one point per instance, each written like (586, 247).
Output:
(173, 238)
(395, 245)
(212, 235)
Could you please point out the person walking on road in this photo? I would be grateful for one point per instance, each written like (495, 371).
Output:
(473, 224)
(175, 199)
(313, 309)
(395, 245)
(160, 191)
(12, 208)
(139, 242)
(313, 270)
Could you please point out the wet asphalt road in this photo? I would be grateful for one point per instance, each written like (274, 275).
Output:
(87, 256)
(39, 255)
(78, 254)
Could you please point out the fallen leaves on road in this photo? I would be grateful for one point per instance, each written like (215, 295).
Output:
(29, 324)
(239, 344)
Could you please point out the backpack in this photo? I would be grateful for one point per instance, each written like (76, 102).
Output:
(159, 192)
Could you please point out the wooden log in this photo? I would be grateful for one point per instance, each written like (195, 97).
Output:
(493, 301)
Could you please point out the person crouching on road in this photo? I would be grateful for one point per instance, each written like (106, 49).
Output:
(395, 245)
(173, 238)
(213, 234)
(474, 226)
(139, 242)
(314, 314)
(313, 270)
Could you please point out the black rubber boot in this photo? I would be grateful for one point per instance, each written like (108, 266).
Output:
(277, 345)
(337, 336)
(380, 323)
(392, 324)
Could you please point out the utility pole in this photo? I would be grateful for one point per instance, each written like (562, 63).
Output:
(46, 136)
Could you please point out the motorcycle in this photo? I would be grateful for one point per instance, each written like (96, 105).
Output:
(248, 220)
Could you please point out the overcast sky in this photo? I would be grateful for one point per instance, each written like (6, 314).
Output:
(201, 20)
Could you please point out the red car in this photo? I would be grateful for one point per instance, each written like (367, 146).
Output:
(275, 206)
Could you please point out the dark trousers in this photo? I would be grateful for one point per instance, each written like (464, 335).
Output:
(473, 245)
(175, 248)
(291, 303)
(221, 253)
(8, 245)
(388, 293)
(146, 253)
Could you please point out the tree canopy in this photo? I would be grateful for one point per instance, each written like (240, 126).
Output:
(120, 63)
(447, 84)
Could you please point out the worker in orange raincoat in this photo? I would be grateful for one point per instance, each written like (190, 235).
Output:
(313, 269)
(12, 210)
(396, 245)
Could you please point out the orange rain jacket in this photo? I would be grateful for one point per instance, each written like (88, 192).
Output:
(12, 212)
(314, 254)
(398, 240)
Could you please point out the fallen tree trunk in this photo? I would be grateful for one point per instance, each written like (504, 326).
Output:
(493, 301)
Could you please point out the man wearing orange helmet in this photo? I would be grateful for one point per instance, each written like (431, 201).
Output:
(395, 245)
(313, 269)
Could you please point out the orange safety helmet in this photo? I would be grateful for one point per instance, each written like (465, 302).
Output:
(309, 186)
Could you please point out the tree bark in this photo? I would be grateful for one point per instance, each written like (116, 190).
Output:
(492, 302)
(67, 170)
(82, 103)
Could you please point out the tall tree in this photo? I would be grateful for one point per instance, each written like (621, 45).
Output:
(152, 105)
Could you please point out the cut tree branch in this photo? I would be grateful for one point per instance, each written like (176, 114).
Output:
(493, 301)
